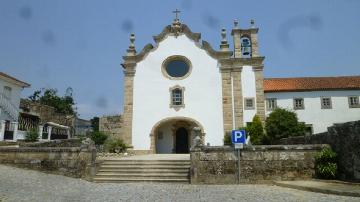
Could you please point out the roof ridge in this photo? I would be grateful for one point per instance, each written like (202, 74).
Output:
(314, 77)
(24, 84)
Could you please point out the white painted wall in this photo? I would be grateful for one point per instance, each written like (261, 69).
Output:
(249, 91)
(15, 97)
(313, 114)
(202, 96)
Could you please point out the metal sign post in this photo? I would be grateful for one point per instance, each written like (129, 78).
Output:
(238, 138)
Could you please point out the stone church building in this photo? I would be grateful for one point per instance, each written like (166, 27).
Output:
(181, 82)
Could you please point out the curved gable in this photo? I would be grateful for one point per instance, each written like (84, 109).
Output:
(176, 30)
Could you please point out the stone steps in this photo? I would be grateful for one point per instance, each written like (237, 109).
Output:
(130, 180)
(125, 170)
(141, 170)
(143, 175)
(147, 162)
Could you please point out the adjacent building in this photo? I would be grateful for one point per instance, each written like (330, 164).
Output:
(319, 102)
(10, 94)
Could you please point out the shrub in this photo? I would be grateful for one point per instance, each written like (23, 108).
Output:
(283, 123)
(325, 164)
(115, 146)
(31, 136)
(255, 130)
(98, 137)
(227, 139)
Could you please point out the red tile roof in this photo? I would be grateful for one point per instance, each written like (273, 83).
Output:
(311, 83)
(21, 83)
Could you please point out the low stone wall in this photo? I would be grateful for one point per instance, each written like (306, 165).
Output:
(258, 164)
(69, 161)
(344, 139)
(53, 143)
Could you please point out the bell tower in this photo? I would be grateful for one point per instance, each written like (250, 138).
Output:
(245, 41)
(242, 79)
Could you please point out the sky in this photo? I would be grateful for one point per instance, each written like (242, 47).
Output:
(80, 43)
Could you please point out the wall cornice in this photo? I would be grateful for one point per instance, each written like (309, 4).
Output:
(256, 62)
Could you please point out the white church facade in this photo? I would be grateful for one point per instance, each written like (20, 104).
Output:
(181, 82)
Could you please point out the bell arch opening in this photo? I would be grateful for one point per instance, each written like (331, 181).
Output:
(174, 135)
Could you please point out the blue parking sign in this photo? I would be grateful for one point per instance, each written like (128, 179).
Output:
(238, 136)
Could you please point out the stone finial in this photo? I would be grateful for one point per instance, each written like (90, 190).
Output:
(252, 22)
(197, 139)
(131, 51)
(176, 27)
(236, 23)
(223, 35)
(224, 46)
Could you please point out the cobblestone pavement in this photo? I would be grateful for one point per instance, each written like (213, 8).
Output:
(26, 185)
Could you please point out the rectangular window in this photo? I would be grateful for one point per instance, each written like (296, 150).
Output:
(271, 104)
(249, 103)
(177, 97)
(326, 103)
(299, 103)
(7, 92)
(354, 101)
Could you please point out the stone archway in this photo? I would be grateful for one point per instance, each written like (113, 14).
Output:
(175, 123)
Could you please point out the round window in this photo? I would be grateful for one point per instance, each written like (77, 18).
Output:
(176, 67)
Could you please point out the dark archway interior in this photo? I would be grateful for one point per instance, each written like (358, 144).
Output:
(182, 141)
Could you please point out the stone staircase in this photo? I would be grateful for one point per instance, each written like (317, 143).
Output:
(8, 107)
(149, 170)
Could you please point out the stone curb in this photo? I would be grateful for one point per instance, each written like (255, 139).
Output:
(318, 190)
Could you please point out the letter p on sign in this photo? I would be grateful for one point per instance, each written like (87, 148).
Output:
(238, 136)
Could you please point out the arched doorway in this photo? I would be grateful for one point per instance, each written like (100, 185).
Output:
(174, 135)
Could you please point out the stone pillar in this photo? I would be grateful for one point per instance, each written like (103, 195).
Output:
(68, 133)
(2, 130)
(128, 105)
(129, 72)
(49, 132)
(15, 125)
(235, 32)
(40, 131)
(227, 100)
(152, 143)
(238, 98)
(260, 97)
(254, 43)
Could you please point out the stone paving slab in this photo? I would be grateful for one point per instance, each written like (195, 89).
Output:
(327, 187)
(27, 185)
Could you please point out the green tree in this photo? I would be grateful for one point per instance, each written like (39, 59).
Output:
(62, 104)
(283, 123)
(95, 123)
(98, 137)
(256, 131)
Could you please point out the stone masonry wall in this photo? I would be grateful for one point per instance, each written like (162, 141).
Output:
(112, 125)
(68, 161)
(218, 165)
(344, 139)
(46, 113)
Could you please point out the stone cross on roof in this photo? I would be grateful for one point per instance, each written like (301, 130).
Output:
(176, 14)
